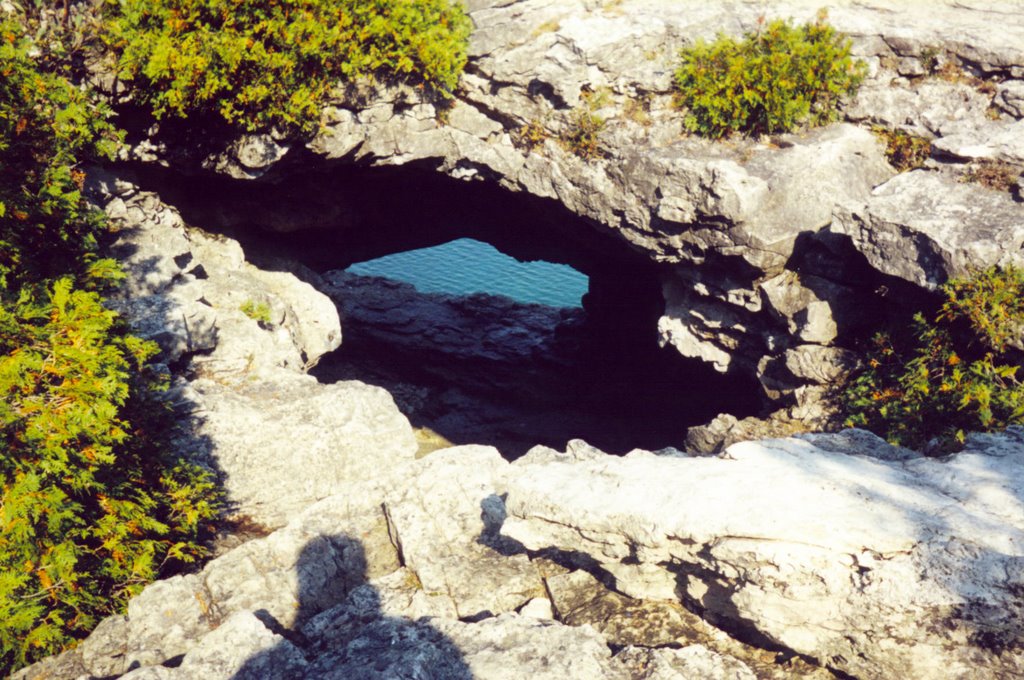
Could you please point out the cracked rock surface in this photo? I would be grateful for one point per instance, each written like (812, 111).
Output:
(876, 561)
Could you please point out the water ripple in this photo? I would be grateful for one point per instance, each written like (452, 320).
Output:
(467, 266)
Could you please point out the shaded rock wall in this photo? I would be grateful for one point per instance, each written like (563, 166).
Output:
(486, 369)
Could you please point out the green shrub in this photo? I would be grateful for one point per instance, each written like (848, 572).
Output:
(257, 64)
(92, 503)
(93, 506)
(47, 127)
(582, 137)
(930, 385)
(771, 81)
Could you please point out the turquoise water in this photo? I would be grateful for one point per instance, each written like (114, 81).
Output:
(467, 266)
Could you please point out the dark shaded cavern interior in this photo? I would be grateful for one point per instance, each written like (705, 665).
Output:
(519, 375)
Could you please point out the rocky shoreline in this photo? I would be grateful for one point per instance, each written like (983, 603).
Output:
(368, 554)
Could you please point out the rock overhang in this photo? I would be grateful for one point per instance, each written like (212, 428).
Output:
(716, 225)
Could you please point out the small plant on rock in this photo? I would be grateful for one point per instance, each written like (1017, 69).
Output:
(257, 311)
(638, 110)
(771, 81)
(993, 174)
(949, 374)
(582, 137)
(904, 150)
(532, 135)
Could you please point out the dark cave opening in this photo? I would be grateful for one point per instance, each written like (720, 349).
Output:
(473, 369)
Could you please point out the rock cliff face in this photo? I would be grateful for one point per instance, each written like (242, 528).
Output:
(365, 557)
(770, 254)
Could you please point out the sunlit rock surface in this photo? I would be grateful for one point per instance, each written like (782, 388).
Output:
(872, 559)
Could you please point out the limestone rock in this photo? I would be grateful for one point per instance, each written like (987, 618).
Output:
(310, 317)
(580, 599)
(242, 647)
(538, 608)
(510, 646)
(443, 537)
(185, 290)
(248, 157)
(151, 244)
(179, 321)
(814, 549)
(390, 648)
(926, 228)
(1000, 140)
(927, 107)
(301, 324)
(1010, 97)
(693, 661)
(259, 434)
(804, 364)
(725, 429)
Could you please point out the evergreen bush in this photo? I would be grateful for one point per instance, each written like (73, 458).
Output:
(47, 125)
(771, 81)
(955, 373)
(93, 504)
(258, 64)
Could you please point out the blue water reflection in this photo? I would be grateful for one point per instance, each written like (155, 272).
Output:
(467, 266)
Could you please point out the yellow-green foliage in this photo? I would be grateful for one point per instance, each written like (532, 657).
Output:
(92, 507)
(263, 63)
(993, 174)
(257, 311)
(771, 81)
(92, 504)
(954, 373)
(46, 125)
(532, 135)
(582, 137)
(904, 150)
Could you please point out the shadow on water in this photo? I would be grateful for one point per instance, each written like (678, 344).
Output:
(353, 640)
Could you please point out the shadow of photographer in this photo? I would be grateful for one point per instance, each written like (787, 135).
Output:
(353, 640)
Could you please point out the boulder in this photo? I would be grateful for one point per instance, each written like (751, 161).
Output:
(926, 228)
(816, 546)
(443, 537)
(260, 433)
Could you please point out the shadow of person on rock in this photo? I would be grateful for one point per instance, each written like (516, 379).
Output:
(340, 631)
